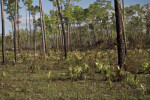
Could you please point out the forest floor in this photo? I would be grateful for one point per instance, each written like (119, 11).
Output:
(34, 78)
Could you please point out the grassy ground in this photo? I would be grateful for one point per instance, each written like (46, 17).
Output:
(39, 79)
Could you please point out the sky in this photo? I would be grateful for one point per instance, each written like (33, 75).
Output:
(47, 5)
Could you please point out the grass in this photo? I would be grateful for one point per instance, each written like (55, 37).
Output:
(30, 79)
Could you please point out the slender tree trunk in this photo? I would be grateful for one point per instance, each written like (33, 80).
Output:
(3, 31)
(63, 29)
(148, 30)
(30, 30)
(59, 36)
(12, 22)
(68, 33)
(34, 40)
(119, 27)
(15, 23)
(54, 39)
(124, 35)
(43, 20)
(18, 33)
(68, 25)
(80, 35)
(88, 34)
(94, 35)
(43, 41)
(27, 30)
(108, 34)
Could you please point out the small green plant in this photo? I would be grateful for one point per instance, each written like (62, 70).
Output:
(143, 89)
(24, 90)
(20, 61)
(107, 72)
(38, 68)
(110, 83)
(145, 66)
(122, 72)
(99, 66)
(49, 75)
(75, 72)
(135, 80)
(85, 67)
(128, 76)
(3, 74)
(78, 71)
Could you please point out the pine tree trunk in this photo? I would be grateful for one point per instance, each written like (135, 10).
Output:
(12, 22)
(68, 26)
(43, 20)
(43, 40)
(88, 35)
(34, 40)
(3, 31)
(15, 23)
(63, 29)
(59, 35)
(30, 30)
(27, 30)
(119, 27)
(18, 34)
(124, 35)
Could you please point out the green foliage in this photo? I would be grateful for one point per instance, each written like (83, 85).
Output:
(77, 72)
(20, 61)
(145, 66)
(143, 89)
(24, 90)
(85, 67)
(49, 75)
(107, 71)
(128, 76)
(99, 65)
(135, 80)
(3, 74)
(38, 68)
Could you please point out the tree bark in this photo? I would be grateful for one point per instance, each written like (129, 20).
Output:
(30, 30)
(88, 35)
(124, 35)
(12, 21)
(27, 29)
(3, 31)
(59, 35)
(119, 27)
(68, 25)
(43, 20)
(63, 29)
(43, 41)
(34, 40)
(18, 33)
(15, 22)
